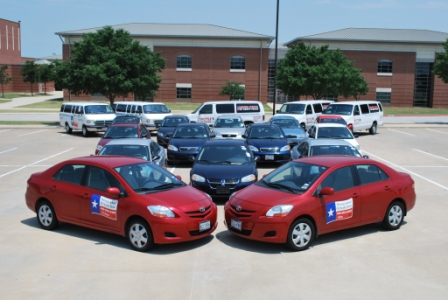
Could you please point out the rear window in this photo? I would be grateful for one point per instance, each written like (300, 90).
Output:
(225, 108)
(247, 108)
(375, 108)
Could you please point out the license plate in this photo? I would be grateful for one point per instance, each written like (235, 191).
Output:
(205, 225)
(269, 157)
(222, 190)
(236, 224)
(105, 128)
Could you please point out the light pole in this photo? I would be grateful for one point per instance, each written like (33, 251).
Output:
(275, 63)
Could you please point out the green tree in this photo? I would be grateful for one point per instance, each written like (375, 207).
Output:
(441, 65)
(233, 89)
(4, 78)
(109, 62)
(46, 74)
(319, 72)
(30, 73)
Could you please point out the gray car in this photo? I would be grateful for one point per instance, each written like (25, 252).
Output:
(228, 127)
(313, 147)
(291, 127)
(146, 149)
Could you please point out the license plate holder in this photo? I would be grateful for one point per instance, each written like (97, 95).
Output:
(236, 224)
(269, 157)
(204, 225)
(222, 190)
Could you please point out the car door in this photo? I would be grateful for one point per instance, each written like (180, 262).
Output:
(98, 208)
(343, 208)
(206, 114)
(357, 118)
(65, 192)
(377, 191)
(310, 115)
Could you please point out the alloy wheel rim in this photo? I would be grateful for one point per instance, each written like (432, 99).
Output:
(301, 234)
(395, 215)
(138, 235)
(45, 215)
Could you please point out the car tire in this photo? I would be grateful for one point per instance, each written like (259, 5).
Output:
(300, 235)
(68, 129)
(373, 129)
(394, 216)
(139, 235)
(85, 132)
(46, 216)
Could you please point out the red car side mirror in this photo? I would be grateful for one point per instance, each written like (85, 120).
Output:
(113, 191)
(327, 191)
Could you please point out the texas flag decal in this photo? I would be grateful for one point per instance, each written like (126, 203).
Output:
(339, 210)
(103, 206)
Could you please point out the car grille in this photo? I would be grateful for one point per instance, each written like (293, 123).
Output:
(228, 182)
(229, 135)
(188, 149)
(158, 122)
(243, 213)
(275, 149)
(199, 214)
(103, 123)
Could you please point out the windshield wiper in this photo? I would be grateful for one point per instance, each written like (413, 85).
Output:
(281, 186)
(167, 186)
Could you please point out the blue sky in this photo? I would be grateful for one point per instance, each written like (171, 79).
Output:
(40, 19)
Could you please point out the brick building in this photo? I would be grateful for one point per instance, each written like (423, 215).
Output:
(396, 63)
(11, 55)
(200, 59)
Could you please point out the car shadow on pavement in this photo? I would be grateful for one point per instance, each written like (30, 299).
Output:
(105, 238)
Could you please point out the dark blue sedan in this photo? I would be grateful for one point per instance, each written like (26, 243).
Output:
(269, 142)
(167, 128)
(186, 141)
(223, 167)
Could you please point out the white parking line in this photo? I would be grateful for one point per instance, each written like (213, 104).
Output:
(34, 163)
(5, 130)
(408, 171)
(31, 132)
(8, 150)
(401, 132)
(436, 130)
(431, 154)
(172, 169)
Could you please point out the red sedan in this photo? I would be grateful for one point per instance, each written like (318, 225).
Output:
(121, 131)
(316, 195)
(122, 195)
(331, 119)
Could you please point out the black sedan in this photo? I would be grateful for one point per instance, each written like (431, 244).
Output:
(223, 167)
(167, 128)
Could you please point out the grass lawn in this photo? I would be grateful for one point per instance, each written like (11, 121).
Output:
(414, 111)
(18, 95)
(28, 123)
(53, 103)
(4, 101)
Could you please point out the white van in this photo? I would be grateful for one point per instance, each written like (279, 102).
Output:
(359, 115)
(85, 116)
(250, 111)
(151, 113)
(305, 111)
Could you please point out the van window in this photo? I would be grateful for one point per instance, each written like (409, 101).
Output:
(68, 109)
(155, 109)
(375, 107)
(364, 109)
(292, 108)
(245, 108)
(309, 110)
(79, 110)
(356, 111)
(98, 109)
(225, 108)
(339, 109)
(206, 109)
(317, 108)
(121, 108)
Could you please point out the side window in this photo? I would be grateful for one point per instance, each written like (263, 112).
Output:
(138, 109)
(68, 109)
(309, 110)
(206, 109)
(155, 149)
(79, 110)
(317, 108)
(303, 148)
(340, 179)
(247, 108)
(143, 131)
(370, 173)
(356, 111)
(225, 108)
(312, 131)
(97, 179)
(120, 108)
(62, 108)
(70, 173)
(374, 108)
(364, 109)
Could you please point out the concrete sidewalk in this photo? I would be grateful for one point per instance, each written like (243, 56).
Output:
(17, 102)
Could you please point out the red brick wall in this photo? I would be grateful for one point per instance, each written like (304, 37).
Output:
(211, 71)
(440, 93)
(18, 86)
(10, 52)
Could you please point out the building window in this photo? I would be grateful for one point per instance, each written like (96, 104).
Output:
(237, 64)
(184, 63)
(384, 67)
(383, 97)
(423, 84)
(183, 90)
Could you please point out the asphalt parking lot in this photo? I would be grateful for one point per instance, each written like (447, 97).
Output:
(361, 263)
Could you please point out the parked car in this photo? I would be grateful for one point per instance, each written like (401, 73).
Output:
(332, 131)
(126, 120)
(331, 119)
(121, 195)
(228, 127)
(123, 131)
(269, 142)
(303, 199)
(305, 111)
(186, 141)
(167, 128)
(291, 127)
(223, 167)
(313, 147)
(151, 113)
(146, 149)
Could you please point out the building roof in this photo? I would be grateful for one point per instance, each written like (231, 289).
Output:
(175, 30)
(378, 35)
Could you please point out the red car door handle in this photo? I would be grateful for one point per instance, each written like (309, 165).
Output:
(387, 187)
(355, 195)
(85, 196)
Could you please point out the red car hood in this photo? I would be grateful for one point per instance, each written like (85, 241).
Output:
(262, 196)
(177, 197)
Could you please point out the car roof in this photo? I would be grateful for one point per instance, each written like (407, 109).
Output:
(283, 117)
(192, 125)
(126, 125)
(330, 125)
(129, 141)
(139, 102)
(263, 125)
(229, 117)
(225, 143)
(328, 142)
(332, 161)
(330, 117)
(175, 117)
(111, 161)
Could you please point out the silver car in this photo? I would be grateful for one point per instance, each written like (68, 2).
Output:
(291, 127)
(146, 149)
(228, 127)
(313, 147)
